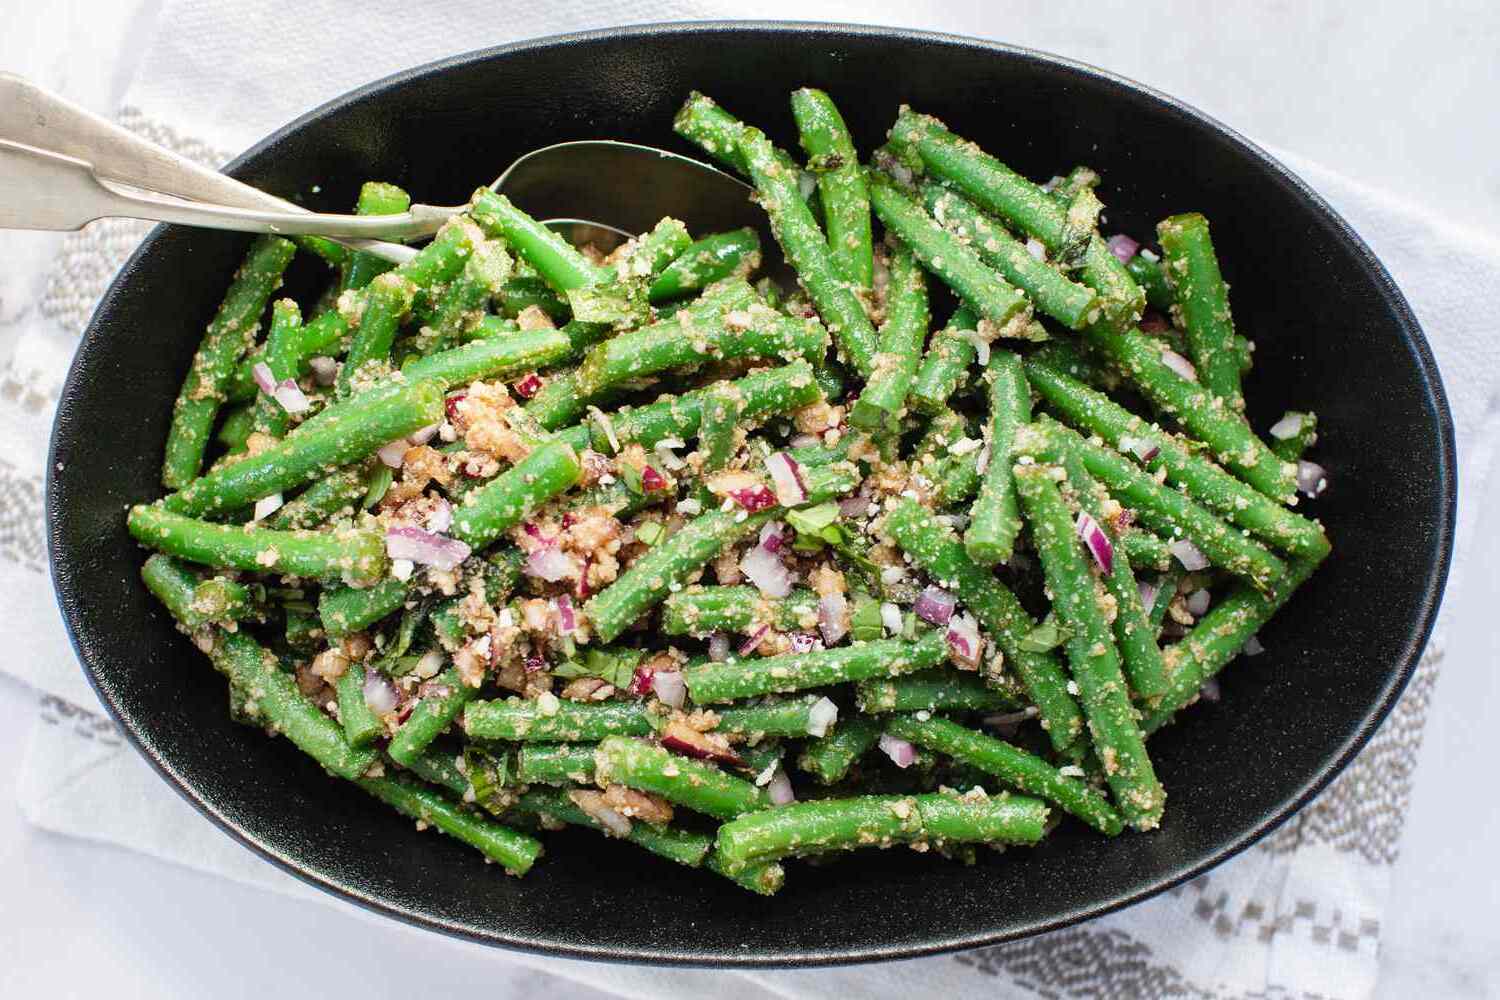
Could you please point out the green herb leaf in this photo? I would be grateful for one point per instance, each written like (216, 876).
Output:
(649, 533)
(632, 477)
(1048, 635)
(812, 520)
(380, 481)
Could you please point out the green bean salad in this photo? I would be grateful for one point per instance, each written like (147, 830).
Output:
(520, 535)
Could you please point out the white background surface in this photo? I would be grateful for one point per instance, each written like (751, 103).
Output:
(1399, 95)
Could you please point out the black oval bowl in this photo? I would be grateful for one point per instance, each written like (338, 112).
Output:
(1333, 333)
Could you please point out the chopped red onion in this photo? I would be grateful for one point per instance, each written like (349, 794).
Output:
(549, 563)
(379, 692)
(669, 687)
(1312, 478)
(964, 644)
(823, 714)
(1288, 427)
(1006, 723)
(394, 453)
(264, 380)
(1252, 646)
(901, 753)
(1123, 247)
(528, 385)
(266, 506)
(325, 369)
(753, 498)
(651, 480)
(806, 441)
(787, 475)
(981, 348)
(833, 617)
(890, 617)
(773, 536)
(856, 505)
(441, 518)
(592, 803)
(423, 434)
(450, 404)
(1197, 603)
(291, 397)
(802, 642)
(1210, 690)
(425, 547)
(567, 621)
(401, 569)
(779, 789)
(1097, 542)
(718, 647)
(1147, 592)
(767, 572)
(666, 450)
(1035, 248)
(581, 588)
(754, 639)
(640, 681)
(1179, 364)
(1189, 555)
(935, 605)
(1141, 448)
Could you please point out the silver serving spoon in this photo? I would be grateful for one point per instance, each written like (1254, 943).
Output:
(62, 167)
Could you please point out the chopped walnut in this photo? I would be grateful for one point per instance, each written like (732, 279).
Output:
(329, 665)
(588, 689)
(357, 645)
(818, 417)
(481, 419)
(632, 804)
(533, 318)
(827, 580)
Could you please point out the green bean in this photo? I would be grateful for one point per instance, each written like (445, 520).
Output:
(555, 763)
(553, 720)
(221, 599)
(174, 585)
(227, 338)
(514, 851)
(434, 713)
(997, 189)
(841, 184)
(735, 253)
(719, 434)
(797, 231)
(933, 691)
(906, 318)
(945, 367)
(1143, 550)
(1160, 508)
(321, 336)
(1218, 638)
(1204, 416)
(828, 758)
(355, 556)
(942, 555)
(765, 393)
(744, 678)
(1134, 637)
(523, 291)
(701, 121)
(995, 520)
(491, 358)
(461, 306)
(235, 431)
(945, 255)
(361, 724)
(689, 783)
(281, 358)
(375, 198)
(691, 338)
(667, 565)
(254, 670)
(501, 572)
(1069, 303)
(510, 498)
(325, 499)
(701, 611)
(1152, 277)
(304, 633)
(439, 766)
(377, 315)
(558, 401)
(825, 825)
(343, 433)
(1204, 481)
(563, 267)
(1166, 590)
(1202, 298)
(761, 879)
(772, 717)
(1010, 764)
(1292, 448)
(956, 480)
(1091, 650)
(686, 847)
(351, 609)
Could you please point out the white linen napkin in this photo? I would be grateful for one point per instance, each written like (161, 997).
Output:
(1299, 913)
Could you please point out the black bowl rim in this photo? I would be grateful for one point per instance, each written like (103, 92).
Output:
(1405, 659)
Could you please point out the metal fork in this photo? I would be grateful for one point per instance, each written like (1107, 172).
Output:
(62, 167)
